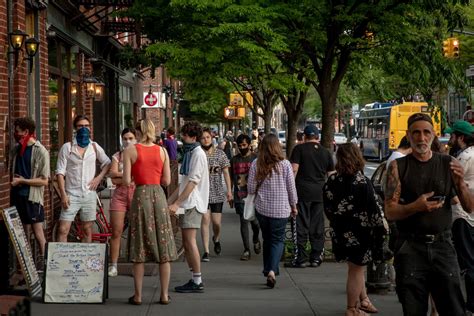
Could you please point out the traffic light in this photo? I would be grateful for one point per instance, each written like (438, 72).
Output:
(234, 113)
(229, 112)
(451, 47)
(447, 48)
(455, 47)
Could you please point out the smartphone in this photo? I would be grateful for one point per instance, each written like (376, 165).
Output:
(437, 198)
(231, 203)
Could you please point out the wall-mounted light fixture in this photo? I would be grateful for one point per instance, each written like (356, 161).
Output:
(31, 45)
(17, 40)
(94, 88)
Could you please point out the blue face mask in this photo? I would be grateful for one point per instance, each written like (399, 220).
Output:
(83, 137)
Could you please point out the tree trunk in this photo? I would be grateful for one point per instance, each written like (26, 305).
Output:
(328, 99)
(293, 119)
(267, 118)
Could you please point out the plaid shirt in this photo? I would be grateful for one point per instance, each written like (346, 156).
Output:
(277, 193)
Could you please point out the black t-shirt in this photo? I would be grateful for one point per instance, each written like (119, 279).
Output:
(239, 172)
(23, 168)
(420, 177)
(314, 163)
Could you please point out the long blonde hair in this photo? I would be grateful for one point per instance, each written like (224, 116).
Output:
(269, 155)
(147, 131)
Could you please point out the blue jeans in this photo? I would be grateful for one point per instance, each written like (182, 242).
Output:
(273, 233)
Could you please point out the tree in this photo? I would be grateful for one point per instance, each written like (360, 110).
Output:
(297, 43)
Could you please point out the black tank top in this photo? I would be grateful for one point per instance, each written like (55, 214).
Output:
(419, 177)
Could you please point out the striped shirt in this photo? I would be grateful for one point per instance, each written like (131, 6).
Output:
(277, 193)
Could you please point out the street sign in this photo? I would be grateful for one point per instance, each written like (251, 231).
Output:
(154, 100)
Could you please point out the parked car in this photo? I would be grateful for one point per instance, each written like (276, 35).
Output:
(340, 138)
(282, 138)
(378, 179)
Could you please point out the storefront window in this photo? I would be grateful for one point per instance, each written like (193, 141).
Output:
(53, 103)
(126, 107)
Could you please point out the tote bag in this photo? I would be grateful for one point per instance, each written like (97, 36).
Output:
(249, 207)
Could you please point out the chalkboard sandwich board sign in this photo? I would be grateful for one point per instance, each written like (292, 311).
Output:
(75, 273)
(22, 250)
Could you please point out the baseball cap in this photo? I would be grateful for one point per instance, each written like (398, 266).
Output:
(311, 130)
(462, 127)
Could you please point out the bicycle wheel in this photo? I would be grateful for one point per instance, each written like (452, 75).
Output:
(74, 232)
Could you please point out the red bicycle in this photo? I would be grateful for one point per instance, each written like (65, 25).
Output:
(101, 228)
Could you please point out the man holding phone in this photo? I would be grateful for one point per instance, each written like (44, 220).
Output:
(418, 195)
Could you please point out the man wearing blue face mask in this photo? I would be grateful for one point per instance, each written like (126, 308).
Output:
(76, 175)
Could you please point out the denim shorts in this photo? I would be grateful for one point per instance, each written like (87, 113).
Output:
(87, 204)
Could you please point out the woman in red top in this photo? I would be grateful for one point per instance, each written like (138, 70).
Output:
(151, 233)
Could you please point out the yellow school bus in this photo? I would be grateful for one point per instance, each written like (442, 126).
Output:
(381, 126)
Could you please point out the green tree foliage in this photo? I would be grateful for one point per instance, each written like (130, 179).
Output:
(293, 45)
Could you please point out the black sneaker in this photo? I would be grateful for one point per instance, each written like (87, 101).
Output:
(292, 264)
(190, 287)
(205, 257)
(257, 247)
(217, 246)
(316, 263)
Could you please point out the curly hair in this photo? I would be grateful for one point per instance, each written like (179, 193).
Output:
(192, 129)
(349, 159)
(269, 155)
(25, 123)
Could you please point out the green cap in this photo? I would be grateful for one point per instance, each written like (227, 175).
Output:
(462, 127)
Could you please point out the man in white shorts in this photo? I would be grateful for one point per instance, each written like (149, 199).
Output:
(76, 175)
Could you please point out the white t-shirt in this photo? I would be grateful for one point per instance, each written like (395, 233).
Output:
(198, 173)
(466, 158)
(393, 156)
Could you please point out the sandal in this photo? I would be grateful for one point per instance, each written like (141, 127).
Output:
(162, 302)
(131, 300)
(367, 306)
(354, 311)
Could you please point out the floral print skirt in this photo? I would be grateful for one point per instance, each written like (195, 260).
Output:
(151, 232)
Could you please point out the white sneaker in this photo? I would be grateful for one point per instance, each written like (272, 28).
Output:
(113, 271)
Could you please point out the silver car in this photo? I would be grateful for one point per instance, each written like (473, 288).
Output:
(340, 138)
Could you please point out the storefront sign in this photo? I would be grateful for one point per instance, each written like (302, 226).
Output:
(22, 250)
(152, 100)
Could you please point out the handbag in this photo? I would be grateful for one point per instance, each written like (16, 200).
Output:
(249, 206)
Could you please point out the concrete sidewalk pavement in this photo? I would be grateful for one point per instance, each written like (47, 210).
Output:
(232, 287)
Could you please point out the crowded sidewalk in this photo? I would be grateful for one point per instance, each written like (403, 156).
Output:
(232, 287)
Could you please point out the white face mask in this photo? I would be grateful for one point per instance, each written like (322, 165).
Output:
(126, 143)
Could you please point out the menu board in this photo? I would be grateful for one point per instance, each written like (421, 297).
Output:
(22, 250)
(75, 273)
